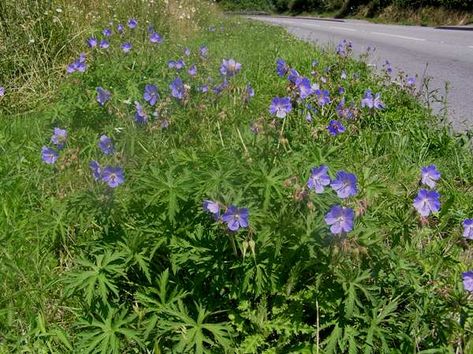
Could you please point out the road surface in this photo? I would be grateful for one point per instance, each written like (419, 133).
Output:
(443, 55)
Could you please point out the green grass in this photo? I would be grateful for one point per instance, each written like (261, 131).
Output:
(89, 269)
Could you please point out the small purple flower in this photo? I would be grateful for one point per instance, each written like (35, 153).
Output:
(132, 23)
(179, 64)
(344, 48)
(219, 88)
(106, 145)
(468, 280)
(318, 179)
(203, 52)
(212, 207)
(2, 91)
(249, 92)
(372, 102)
(104, 44)
(293, 76)
(140, 115)
(323, 97)
(78, 65)
(308, 117)
(229, 67)
(92, 42)
(192, 70)
(177, 89)
(430, 175)
(347, 112)
(59, 137)
(344, 184)
(468, 228)
(120, 28)
(96, 170)
(154, 37)
(280, 106)
(203, 88)
(236, 218)
(113, 176)
(427, 202)
(49, 155)
(411, 81)
(281, 67)
(103, 95)
(107, 32)
(340, 219)
(151, 94)
(341, 90)
(343, 75)
(335, 127)
(171, 64)
(187, 52)
(304, 86)
(126, 47)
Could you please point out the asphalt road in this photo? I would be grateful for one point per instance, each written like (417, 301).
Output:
(443, 55)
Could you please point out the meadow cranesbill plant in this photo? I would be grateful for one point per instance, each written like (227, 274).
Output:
(335, 127)
(132, 23)
(106, 145)
(192, 71)
(372, 102)
(281, 68)
(249, 93)
(107, 32)
(59, 137)
(212, 207)
(104, 44)
(430, 175)
(96, 170)
(427, 202)
(155, 38)
(229, 67)
(344, 48)
(126, 47)
(304, 87)
(79, 65)
(236, 218)
(340, 219)
(141, 117)
(187, 52)
(220, 87)
(346, 112)
(177, 89)
(318, 179)
(2, 91)
(203, 52)
(468, 280)
(120, 28)
(113, 176)
(323, 97)
(468, 229)
(92, 42)
(102, 96)
(345, 184)
(151, 94)
(280, 106)
(49, 155)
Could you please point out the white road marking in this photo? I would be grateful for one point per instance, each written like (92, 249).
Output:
(398, 36)
(343, 28)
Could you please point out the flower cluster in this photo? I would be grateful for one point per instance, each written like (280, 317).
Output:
(78, 65)
(234, 217)
(50, 155)
(428, 201)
